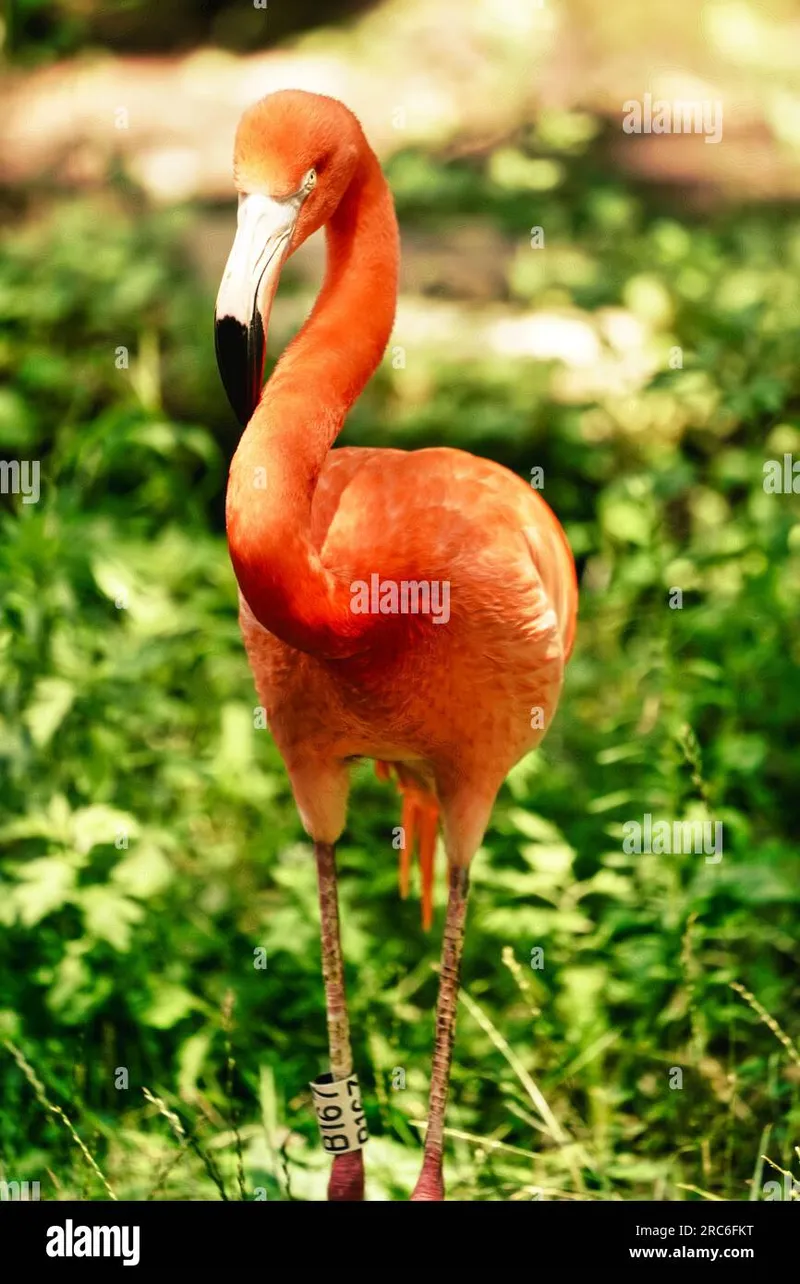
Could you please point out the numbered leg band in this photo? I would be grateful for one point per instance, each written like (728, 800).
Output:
(340, 1114)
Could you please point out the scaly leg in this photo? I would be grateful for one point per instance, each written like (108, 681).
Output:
(347, 1175)
(431, 1182)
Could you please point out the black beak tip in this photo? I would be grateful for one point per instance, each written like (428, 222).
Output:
(240, 359)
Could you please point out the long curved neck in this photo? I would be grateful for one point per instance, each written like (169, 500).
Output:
(276, 467)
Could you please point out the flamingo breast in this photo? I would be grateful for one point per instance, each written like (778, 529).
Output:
(475, 689)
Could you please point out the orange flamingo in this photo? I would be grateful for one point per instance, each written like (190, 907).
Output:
(345, 560)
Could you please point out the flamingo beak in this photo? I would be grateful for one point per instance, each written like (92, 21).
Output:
(261, 246)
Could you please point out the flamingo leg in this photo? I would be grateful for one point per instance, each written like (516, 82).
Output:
(347, 1175)
(430, 1185)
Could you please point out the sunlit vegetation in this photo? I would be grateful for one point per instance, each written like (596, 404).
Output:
(149, 847)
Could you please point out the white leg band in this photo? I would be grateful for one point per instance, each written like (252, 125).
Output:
(340, 1114)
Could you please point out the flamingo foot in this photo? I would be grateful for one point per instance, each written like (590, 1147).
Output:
(346, 1183)
(430, 1186)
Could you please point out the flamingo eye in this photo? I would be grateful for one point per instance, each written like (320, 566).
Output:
(310, 180)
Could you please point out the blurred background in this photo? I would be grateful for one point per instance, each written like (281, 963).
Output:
(642, 350)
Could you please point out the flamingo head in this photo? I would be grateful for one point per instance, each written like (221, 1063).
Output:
(294, 159)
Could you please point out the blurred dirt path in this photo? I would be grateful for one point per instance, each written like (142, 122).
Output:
(444, 73)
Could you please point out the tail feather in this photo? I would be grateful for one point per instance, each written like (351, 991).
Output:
(408, 821)
(420, 823)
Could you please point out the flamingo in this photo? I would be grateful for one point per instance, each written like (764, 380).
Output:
(344, 559)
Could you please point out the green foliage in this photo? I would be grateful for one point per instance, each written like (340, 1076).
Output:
(42, 31)
(148, 842)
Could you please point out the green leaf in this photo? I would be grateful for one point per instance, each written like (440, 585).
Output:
(46, 885)
(169, 1004)
(109, 916)
(52, 700)
(144, 873)
(93, 826)
(192, 1058)
(534, 826)
(77, 991)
